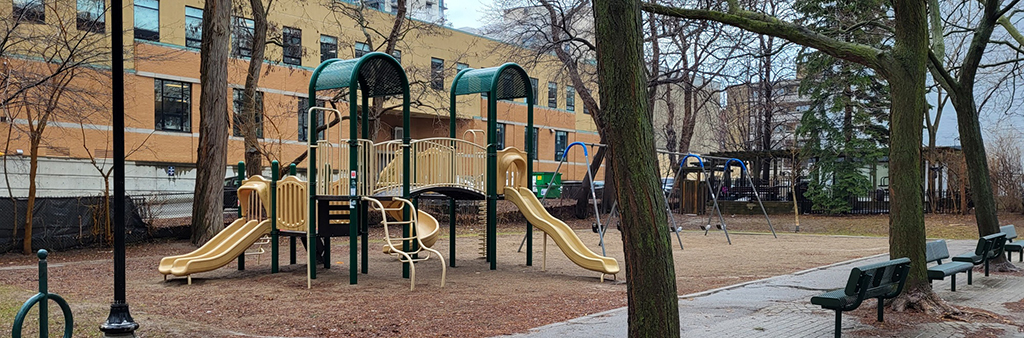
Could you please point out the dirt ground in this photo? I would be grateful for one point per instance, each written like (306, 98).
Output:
(475, 301)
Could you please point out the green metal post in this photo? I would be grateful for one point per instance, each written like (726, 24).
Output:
(530, 156)
(274, 249)
(451, 231)
(451, 202)
(492, 180)
(241, 177)
(44, 313)
(353, 161)
(43, 297)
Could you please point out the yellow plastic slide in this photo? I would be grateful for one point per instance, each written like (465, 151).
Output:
(219, 251)
(560, 232)
(427, 227)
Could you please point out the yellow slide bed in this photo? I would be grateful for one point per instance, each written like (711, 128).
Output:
(219, 251)
(566, 239)
(427, 227)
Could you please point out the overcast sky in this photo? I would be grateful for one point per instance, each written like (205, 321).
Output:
(466, 13)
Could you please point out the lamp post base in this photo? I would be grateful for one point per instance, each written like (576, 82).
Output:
(119, 323)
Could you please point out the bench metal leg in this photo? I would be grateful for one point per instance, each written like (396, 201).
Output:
(986, 267)
(970, 276)
(839, 324)
(881, 305)
(952, 283)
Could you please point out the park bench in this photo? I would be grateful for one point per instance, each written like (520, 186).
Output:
(989, 247)
(882, 281)
(937, 251)
(1010, 247)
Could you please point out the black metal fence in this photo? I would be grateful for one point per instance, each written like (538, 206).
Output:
(874, 202)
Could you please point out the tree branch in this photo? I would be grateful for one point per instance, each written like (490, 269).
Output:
(771, 26)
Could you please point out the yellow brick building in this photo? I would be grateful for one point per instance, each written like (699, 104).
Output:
(162, 92)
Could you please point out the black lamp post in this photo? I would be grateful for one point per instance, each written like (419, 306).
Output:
(119, 323)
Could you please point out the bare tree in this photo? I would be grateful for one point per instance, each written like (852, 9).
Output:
(45, 69)
(207, 215)
(535, 29)
(976, 21)
(903, 65)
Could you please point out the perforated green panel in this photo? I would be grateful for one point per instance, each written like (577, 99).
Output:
(379, 75)
(512, 82)
(475, 81)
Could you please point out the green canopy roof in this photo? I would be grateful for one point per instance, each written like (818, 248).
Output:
(512, 82)
(377, 74)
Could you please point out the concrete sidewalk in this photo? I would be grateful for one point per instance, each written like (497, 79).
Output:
(780, 307)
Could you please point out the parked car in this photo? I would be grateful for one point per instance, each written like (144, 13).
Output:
(231, 184)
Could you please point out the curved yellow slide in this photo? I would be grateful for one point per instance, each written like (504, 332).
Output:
(567, 241)
(426, 226)
(219, 251)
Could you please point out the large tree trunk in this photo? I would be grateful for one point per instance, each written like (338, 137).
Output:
(650, 272)
(250, 111)
(906, 75)
(207, 208)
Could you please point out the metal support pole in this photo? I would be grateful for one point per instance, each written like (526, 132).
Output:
(274, 250)
(451, 231)
(119, 322)
(241, 177)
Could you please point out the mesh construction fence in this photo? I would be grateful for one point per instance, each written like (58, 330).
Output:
(61, 223)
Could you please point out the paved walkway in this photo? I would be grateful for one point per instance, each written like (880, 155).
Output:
(780, 307)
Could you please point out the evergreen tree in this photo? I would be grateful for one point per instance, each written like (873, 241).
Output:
(845, 127)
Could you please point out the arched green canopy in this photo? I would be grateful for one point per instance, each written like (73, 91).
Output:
(506, 82)
(377, 74)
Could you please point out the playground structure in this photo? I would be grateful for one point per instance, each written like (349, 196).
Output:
(706, 175)
(350, 176)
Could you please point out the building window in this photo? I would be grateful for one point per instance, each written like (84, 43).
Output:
(398, 55)
(90, 16)
(552, 95)
(361, 49)
(570, 98)
(193, 27)
(585, 110)
(437, 73)
(173, 105)
(561, 140)
(536, 131)
(292, 46)
(328, 47)
(241, 37)
(304, 119)
(499, 136)
(30, 11)
(237, 102)
(147, 20)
